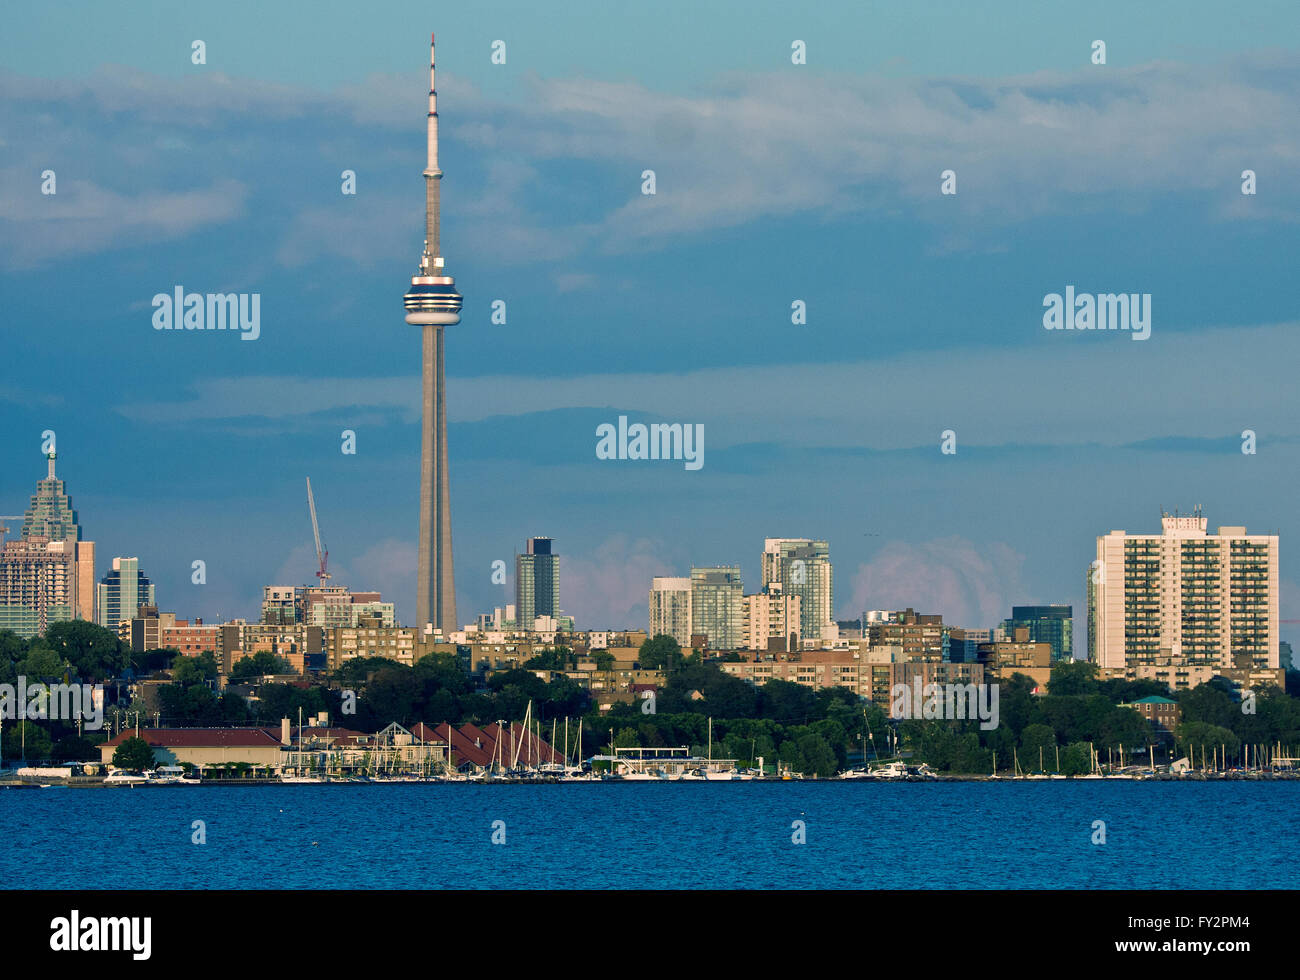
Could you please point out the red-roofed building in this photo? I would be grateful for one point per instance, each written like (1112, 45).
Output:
(202, 746)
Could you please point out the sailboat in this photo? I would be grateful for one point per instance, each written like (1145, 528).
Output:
(1095, 773)
(1040, 774)
(1057, 774)
(574, 773)
(717, 775)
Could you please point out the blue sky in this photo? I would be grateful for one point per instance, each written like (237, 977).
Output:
(775, 182)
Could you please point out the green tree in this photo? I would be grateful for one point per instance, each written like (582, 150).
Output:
(74, 748)
(198, 669)
(1033, 739)
(1076, 759)
(660, 652)
(134, 753)
(1072, 677)
(818, 758)
(41, 664)
(94, 652)
(786, 702)
(39, 745)
(260, 664)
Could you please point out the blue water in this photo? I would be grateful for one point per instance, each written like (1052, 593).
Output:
(645, 835)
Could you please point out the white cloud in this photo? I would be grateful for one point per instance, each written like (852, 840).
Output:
(970, 586)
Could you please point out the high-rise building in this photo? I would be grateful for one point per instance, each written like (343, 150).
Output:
(717, 607)
(802, 566)
(670, 608)
(47, 576)
(1184, 596)
(122, 592)
(432, 303)
(537, 582)
(38, 585)
(1052, 624)
(282, 604)
(918, 637)
(772, 620)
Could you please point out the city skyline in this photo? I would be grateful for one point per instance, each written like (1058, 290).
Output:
(923, 312)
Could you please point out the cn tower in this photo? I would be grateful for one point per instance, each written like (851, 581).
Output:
(433, 303)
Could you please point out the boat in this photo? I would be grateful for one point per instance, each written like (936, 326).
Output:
(124, 777)
(890, 770)
(172, 776)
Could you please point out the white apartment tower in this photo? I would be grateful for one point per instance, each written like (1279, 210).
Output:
(1184, 596)
(802, 567)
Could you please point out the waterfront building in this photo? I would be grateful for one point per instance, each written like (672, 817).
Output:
(961, 646)
(717, 610)
(537, 582)
(1053, 624)
(281, 604)
(122, 592)
(47, 576)
(371, 637)
(1185, 596)
(670, 608)
(773, 620)
(1018, 655)
(802, 567)
(920, 636)
(1163, 714)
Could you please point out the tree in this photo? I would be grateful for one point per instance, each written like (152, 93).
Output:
(1076, 759)
(259, 664)
(41, 664)
(786, 702)
(95, 652)
(200, 669)
(1072, 677)
(818, 758)
(74, 748)
(660, 652)
(38, 743)
(134, 753)
(1033, 739)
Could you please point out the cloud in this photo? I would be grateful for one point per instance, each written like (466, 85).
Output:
(609, 587)
(85, 218)
(1059, 392)
(970, 586)
(559, 173)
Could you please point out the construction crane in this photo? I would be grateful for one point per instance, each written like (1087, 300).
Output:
(4, 528)
(322, 555)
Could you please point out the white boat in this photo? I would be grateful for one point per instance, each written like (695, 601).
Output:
(300, 779)
(890, 770)
(859, 773)
(172, 776)
(125, 778)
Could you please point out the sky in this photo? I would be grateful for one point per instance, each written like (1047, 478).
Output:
(775, 182)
